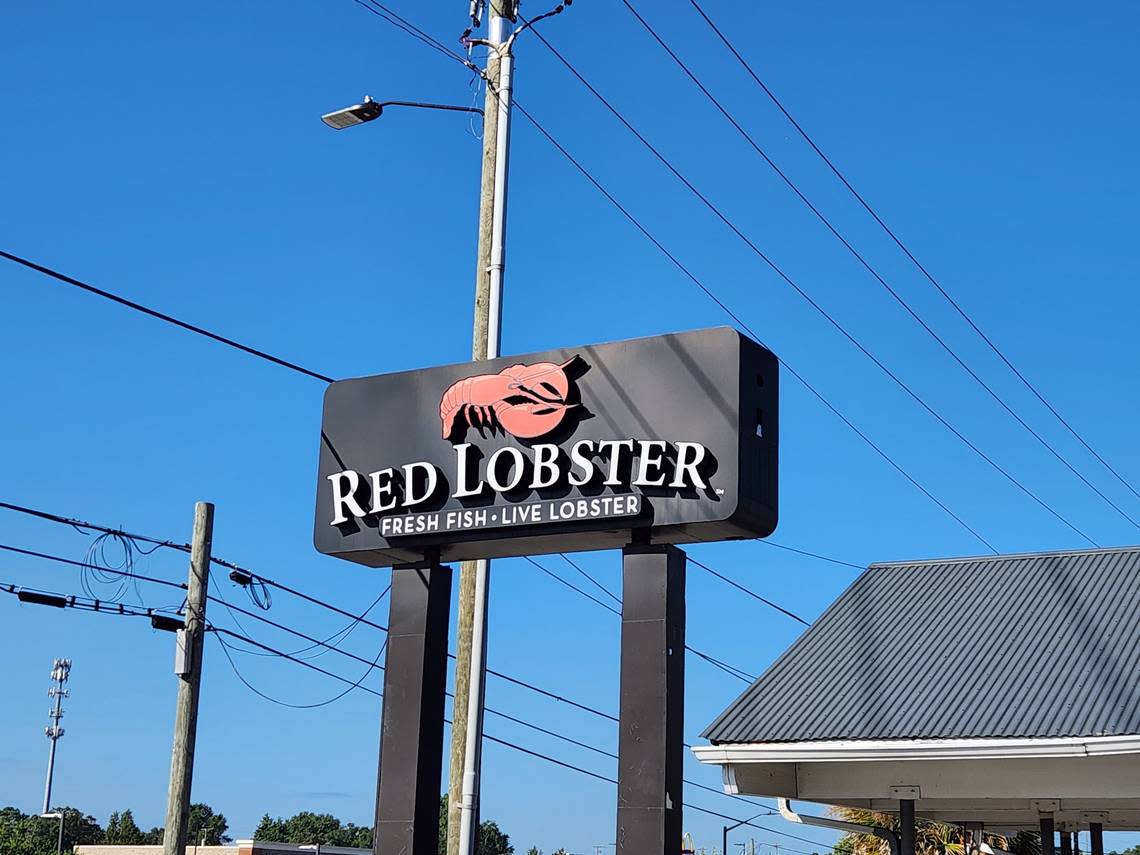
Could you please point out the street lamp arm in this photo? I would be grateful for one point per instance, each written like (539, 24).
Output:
(505, 47)
(426, 106)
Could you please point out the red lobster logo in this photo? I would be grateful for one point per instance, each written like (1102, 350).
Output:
(527, 401)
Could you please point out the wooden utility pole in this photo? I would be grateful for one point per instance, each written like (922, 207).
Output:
(189, 670)
(481, 348)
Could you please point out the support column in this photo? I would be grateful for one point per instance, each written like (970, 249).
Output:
(1066, 841)
(651, 730)
(1047, 834)
(1096, 833)
(411, 731)
(906, 826)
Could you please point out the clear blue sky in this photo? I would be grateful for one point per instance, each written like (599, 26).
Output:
(174, 154)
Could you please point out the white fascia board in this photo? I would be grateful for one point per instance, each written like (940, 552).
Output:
(916, 749)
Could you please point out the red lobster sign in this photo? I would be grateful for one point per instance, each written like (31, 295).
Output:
(526, 401)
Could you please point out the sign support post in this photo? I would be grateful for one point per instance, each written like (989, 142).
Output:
(411, 731)
(652, 713)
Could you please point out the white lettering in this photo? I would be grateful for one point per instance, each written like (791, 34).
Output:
(578, 458)
(518, 462)
(382, 486)
(462, 468)
(689, 456)
(344, 487)
(652, 451)
(431, 483)
(614, 447)
(545, 468)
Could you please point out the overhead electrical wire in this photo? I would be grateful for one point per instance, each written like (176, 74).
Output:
(596, 583)
(358, 685)
(898, 298)
(731, 670)
(87, 604)
(119, 609)
(84, 565)
(743, 325)
(811, 301)
(422, 36)
(162, 316)
(905, 249)
(748, 591)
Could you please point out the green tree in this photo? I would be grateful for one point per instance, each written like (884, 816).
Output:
(308, 828)
(491, 840)
(206, 827)
(534, 850)
(931, 838)
(121, 830)
(29, 834)
(154, 836)
(272, 830)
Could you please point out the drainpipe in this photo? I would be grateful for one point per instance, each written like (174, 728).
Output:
(839, 825)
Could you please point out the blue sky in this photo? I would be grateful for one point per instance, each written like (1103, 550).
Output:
(175, 155)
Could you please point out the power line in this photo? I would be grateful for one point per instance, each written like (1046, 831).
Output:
(121, 610)
(83, 564)
(815, 555)
(597, 584)
(804, 294)
(867, 265)
(898, 242)
(358, 685)
(732, 670)
(750, 592)
(162, 316)
(739, 321)
(86, 604)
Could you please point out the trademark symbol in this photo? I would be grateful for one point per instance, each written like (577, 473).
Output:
(720, 492)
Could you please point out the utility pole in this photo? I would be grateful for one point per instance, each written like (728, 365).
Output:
(475, 576)
(188, 667)
(60, 671)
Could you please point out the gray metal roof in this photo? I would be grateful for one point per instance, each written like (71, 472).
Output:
(1034, 645)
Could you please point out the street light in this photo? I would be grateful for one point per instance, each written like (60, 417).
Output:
(368, 110)
(728, 828)
(59, 840)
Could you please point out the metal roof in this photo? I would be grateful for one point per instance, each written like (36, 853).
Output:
(1046, 644)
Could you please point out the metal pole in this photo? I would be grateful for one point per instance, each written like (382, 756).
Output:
(906, 827)
(59, 840)
(1047, 828)
(499, 104)
(483, 346)
(60, 671)
(1096, 838)
(186, 712)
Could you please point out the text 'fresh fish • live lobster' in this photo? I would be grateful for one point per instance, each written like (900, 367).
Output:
(526, 401)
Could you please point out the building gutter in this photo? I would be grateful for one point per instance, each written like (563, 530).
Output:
(917, 749)
(839, 825)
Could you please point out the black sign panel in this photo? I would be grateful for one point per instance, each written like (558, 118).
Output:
(561, 451)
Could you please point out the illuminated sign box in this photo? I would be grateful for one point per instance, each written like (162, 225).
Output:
(561, 451)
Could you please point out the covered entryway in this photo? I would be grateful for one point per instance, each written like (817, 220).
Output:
(1002, 690)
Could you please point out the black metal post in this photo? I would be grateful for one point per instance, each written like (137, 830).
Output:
(411, 731)
(1096, 836)
(1047, 847)
(906, 826)
(1066, 842)
(652, 712)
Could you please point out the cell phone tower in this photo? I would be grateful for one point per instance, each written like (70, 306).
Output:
(60, 671)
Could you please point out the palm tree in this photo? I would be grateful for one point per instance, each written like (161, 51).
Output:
(931, 838)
